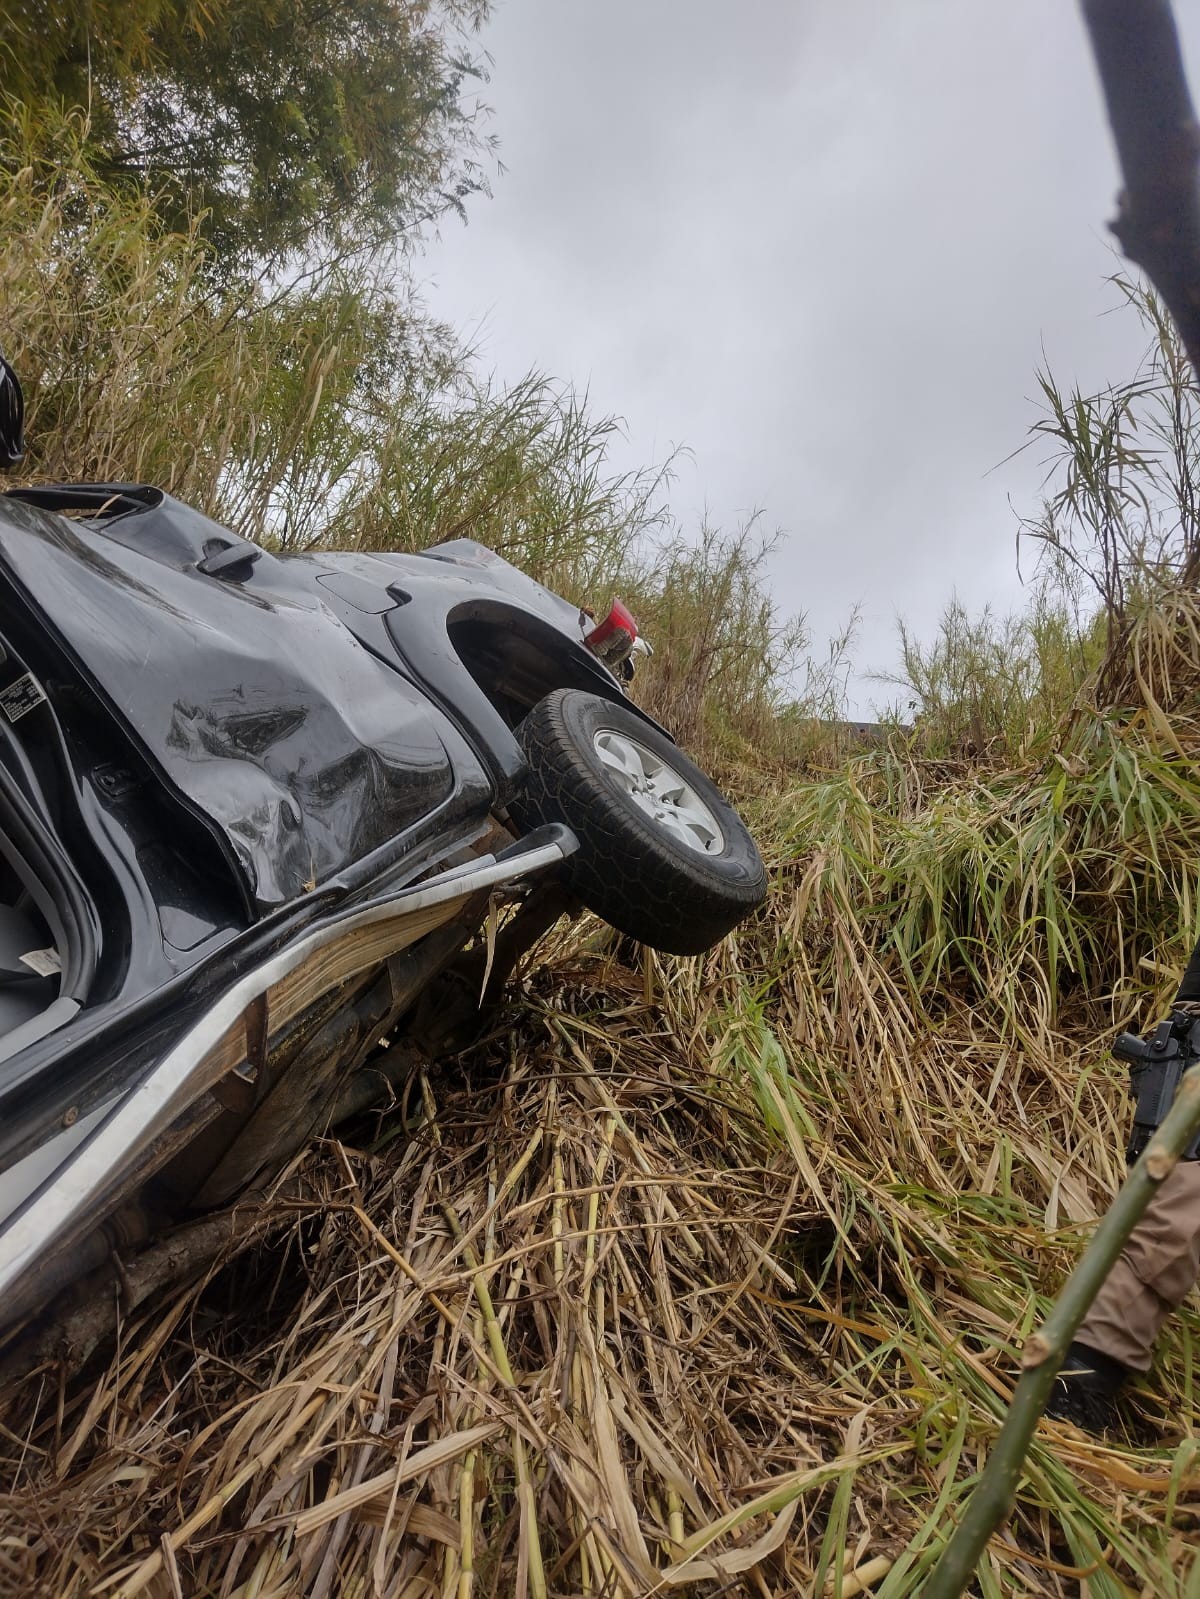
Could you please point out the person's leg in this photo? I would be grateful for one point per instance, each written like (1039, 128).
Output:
(1153, 1274)
(1124, 1318)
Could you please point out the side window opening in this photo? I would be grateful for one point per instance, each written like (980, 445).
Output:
(30, 962)
(513, 669)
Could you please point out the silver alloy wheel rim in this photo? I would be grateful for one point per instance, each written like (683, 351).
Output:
(665, 797)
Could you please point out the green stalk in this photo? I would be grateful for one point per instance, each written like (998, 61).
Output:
(526, 1495)
(993, 1495)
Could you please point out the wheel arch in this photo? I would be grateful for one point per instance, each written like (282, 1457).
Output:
(516, 658)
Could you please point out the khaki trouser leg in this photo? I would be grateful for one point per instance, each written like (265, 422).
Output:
(1153, 1274)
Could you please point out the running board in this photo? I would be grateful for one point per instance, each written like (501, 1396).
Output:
(333, 952)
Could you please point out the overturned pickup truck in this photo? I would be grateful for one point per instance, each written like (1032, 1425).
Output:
(254, 812)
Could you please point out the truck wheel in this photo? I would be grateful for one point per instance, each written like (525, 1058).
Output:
(662, 854)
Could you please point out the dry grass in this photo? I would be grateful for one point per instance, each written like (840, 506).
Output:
(706, 1278)
(539, 1347)
(654, 1302)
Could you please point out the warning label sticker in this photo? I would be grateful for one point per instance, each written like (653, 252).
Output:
(45, 962)
(21, 696)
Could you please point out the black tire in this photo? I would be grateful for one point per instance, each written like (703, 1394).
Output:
(641, 878)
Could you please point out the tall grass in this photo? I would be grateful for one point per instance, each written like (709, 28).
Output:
(1120, 520)
(331, 412)
(705, 1276)
(724, 652)
(991, 685)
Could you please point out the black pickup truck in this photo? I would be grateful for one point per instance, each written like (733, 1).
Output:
(255, 811)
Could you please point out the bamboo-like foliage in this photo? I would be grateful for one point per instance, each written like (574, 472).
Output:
(285, 132)
(713, 1273)
(330, 412)
(703, 1277)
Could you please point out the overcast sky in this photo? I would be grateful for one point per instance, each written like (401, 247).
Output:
(821, 243)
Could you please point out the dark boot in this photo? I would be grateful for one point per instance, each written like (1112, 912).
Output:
(1085, 1390)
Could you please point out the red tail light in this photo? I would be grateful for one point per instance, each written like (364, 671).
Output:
(613, 638)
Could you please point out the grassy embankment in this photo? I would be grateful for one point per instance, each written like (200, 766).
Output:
(704, 1276)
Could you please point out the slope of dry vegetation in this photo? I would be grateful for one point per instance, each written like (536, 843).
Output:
(702, 1277)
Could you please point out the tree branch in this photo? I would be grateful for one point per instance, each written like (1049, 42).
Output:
(91, 1311)
(1136, 47)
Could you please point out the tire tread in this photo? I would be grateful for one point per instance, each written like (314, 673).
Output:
(626, 871)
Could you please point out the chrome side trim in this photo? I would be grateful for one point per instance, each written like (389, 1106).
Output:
(90, 1170)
